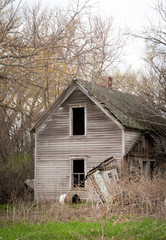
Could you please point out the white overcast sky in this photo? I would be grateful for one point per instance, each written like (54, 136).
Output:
(131, 14)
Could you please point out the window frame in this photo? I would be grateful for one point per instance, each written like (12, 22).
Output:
(71, 172)
(71, 120)
(147, 171)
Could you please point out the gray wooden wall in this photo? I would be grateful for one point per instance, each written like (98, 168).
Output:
(55, 147)
(130, 137)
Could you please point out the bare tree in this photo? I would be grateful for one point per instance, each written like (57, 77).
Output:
(151, 82)
(40, 54)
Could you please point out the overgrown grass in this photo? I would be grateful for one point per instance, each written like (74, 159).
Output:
(144, 229)
(33, 221)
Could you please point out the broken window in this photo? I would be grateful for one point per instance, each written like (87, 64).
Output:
(78, 121)
(78, 173)
(148, 168)
(152, 168)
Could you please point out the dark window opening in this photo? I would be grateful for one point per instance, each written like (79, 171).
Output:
(148, 168)
(78, 173)
(78, 121)
(152, 168)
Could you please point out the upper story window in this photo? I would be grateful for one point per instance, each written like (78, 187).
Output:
(78, 123)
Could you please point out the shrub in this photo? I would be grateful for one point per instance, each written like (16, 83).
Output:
(13, 173)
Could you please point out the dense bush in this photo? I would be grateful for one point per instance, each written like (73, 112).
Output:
(13, 173)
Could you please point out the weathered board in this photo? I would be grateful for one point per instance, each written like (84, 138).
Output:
(55, 147)
(130, 137)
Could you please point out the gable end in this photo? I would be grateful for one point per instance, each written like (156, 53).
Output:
(63, 97)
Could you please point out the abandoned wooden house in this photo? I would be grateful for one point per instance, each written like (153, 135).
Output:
(86, 125)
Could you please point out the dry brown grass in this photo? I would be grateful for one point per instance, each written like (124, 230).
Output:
(146, 197)
(54, 211)
(143, 198)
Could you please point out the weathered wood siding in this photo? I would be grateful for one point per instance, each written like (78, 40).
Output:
(130, 136)
(55, 147)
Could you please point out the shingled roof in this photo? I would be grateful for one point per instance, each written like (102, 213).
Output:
(130, 110)
(125, 107)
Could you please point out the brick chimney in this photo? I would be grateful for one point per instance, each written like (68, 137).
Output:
(107, 82)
